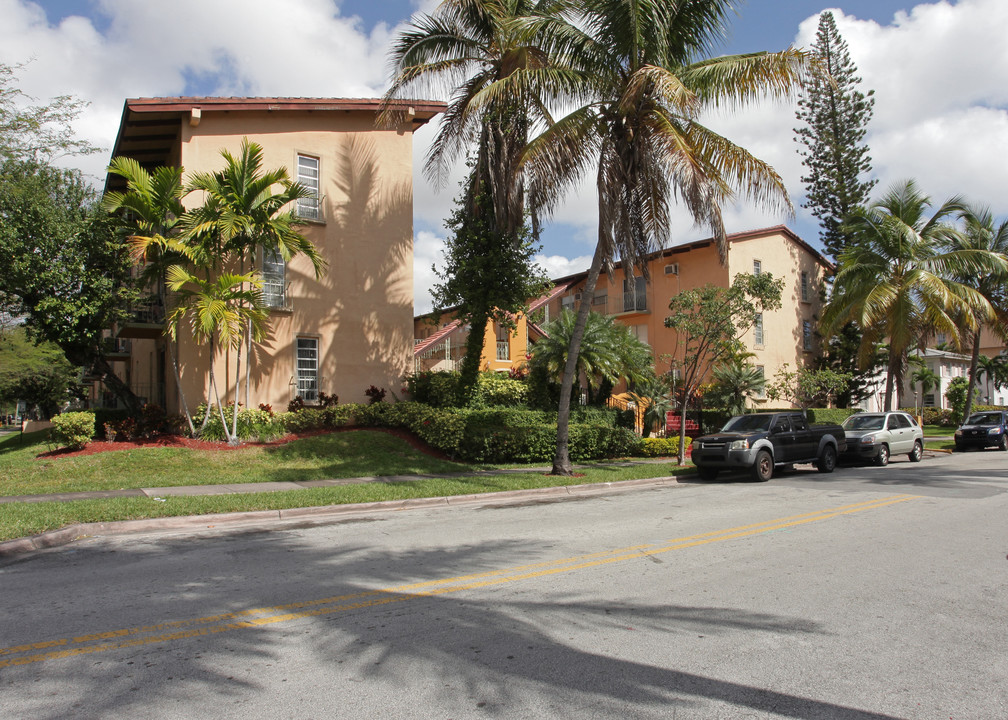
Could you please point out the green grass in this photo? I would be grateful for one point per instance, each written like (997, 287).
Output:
(939, 430)
(337, 455)
(940, 445)
(23, 519)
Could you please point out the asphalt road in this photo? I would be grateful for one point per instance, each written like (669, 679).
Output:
(869, 593)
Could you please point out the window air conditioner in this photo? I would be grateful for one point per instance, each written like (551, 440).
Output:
(672, 269)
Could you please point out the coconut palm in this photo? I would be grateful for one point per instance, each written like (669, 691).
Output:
(979, 232)
(244, 215)
(150, 210)
(895, 280)
(923, 376)
(465, 49)
(639, 74)
(993, 371)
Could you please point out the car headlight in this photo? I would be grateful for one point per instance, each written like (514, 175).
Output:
(958, 433)
(868, 440)
(994, 431)
(739, 445)
(697, 446)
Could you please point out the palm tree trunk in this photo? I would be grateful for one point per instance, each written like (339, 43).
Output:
(974, 361)
(561, 460)
(233, 440)
(178, 385)
(213, 386)
(890, 378)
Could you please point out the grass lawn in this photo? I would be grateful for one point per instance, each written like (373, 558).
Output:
(940, 445)
(337, 455)
(346, 454)
(938, 430)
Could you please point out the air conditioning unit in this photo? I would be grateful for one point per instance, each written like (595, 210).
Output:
(577, 297)
(672, 269)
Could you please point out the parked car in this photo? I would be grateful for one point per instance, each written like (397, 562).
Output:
(761, 441)
(879, 436)
(983, 430)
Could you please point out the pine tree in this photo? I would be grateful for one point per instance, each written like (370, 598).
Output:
(833, 150)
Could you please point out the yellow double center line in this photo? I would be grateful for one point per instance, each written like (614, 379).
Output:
(258, 617)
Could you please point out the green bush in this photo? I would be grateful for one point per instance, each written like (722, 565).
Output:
(73, 430)
(821, 416)
(111, 416)
(934, 416)
(498, 389)
(253, 424)
(661, 447)
(437, 389)
(303, 420)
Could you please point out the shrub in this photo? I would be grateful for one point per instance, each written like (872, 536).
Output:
(73, 430)
(661, 447)
(153, 421)
(107, 416)
(302, 420)
(375, 394)
(325, 401)
(296, 405)
(498, 389)
(437, 389)
(253, 424)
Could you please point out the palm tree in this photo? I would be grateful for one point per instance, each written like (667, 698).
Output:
(243, 214)
(737, 381)
(980, 233)
(894, 281)
(923, 376)
(467, 48)
(151, 209)
(220, 310)
(639, 74)
(993, 369)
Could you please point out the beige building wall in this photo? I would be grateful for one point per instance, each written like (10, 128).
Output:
(360, 312)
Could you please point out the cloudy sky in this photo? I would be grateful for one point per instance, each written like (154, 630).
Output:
(939, 71)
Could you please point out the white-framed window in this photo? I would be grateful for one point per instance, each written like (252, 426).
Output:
(804, 287)
(639, 332)
(758, 329)
(274, 279)
(567, 303)
(307, 369)
(806, 335)
(757, 267)
(309, 208)
(634, 294)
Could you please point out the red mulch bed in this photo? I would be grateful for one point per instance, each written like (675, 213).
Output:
(180, 441)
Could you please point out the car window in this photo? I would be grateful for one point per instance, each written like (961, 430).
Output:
(799, 422)
(748, 422)
(892, 423)
(782, 425)
(903, 421)
(984, 419)
(864, 422)
(909, 420)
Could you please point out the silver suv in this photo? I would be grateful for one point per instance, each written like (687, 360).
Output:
(877, 436)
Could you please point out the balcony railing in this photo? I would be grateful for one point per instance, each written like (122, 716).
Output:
(634, 302)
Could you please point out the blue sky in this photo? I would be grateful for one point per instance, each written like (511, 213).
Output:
(939, 70)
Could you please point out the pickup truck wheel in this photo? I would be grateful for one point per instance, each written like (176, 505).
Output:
(762, 469)
(1003, 445)
(707, 473)
(827, 459)
(882, 458)
(918, 452)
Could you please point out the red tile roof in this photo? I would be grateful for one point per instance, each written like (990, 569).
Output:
(436, 337)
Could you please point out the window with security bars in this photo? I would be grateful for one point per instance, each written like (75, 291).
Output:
(634, 294)
(806, 335)
(758, 329)
(804, 287)
(308, 175)
(307, 369)
(757, 267)
(274, 279)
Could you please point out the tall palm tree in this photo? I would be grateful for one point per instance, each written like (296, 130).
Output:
(150, 212)
(248, 211)
(895, 280)
(639, 73)
(466, 48)
(923, 376)
(993, 369)
(979, 232)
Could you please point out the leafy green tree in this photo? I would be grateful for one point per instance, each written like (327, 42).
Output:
(608, 354)
(639, 74)
(835, 116)
(64, 269)
(955, 393)
(894, 281)
(655, 394)
(710, 323)
(40, 375)
(979, 232)
(806, 387)
(486, 276)
(36, 133)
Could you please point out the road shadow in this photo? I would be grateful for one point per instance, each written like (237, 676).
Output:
(360, 613)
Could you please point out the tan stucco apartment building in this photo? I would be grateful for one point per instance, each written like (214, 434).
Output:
(785, 336)
(338, 334)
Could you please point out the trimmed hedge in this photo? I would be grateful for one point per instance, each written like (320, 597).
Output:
(73, 430)
(661, 447)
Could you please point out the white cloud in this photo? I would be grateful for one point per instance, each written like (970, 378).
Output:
(428, 251)
(940, 72)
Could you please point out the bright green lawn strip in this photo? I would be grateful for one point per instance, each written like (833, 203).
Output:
(24, 519)
(938, 430)
(940, 445)
(336, 455)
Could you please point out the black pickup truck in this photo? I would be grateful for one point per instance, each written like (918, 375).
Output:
(759, 442)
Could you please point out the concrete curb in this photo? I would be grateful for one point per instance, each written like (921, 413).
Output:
(72, 533)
